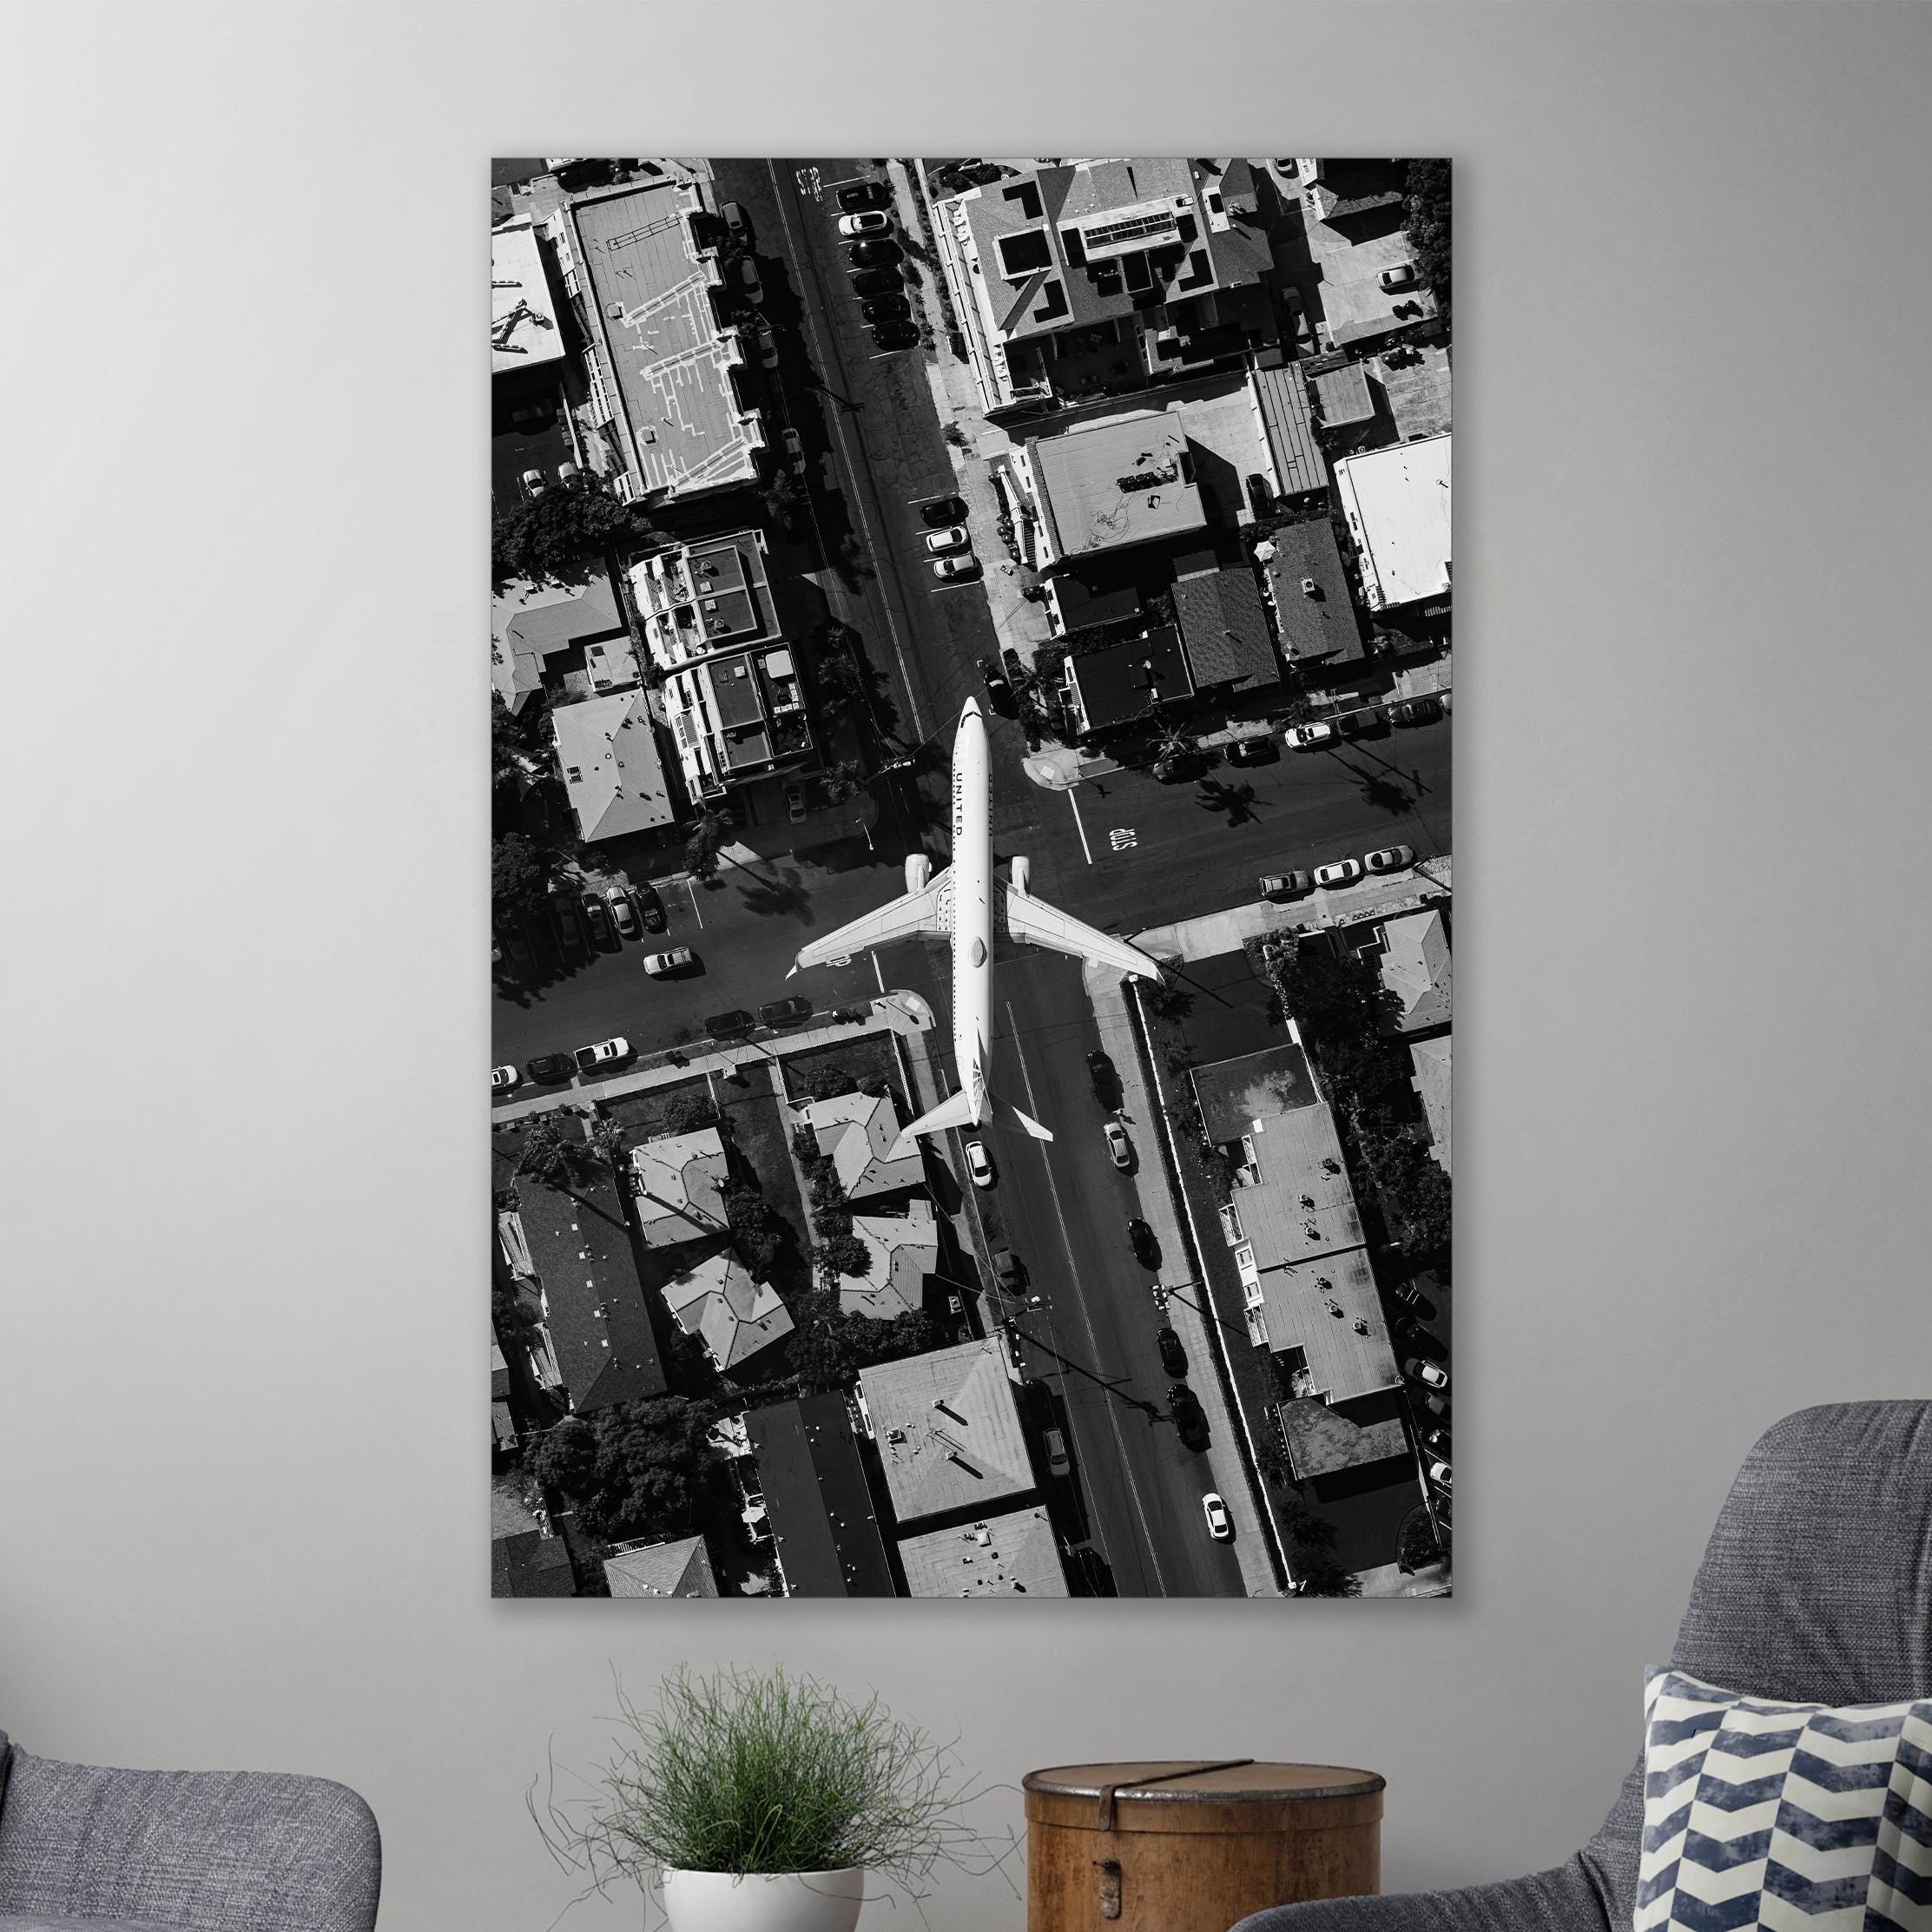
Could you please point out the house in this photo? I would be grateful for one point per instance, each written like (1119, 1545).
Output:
(524, 329)
(818, 1504)
(857, 1132)
(1415, 966)
(1119, 684)
(948, 1432)
(1397, 503)
(1281, 401)
(677, 1184)
(503, 1427)
(736, 718)
(639, 265)
(904, 1249)
(1012, 1555)
(1351, 214)
(570, 637)
(1078, 278)
(613, 772)
(1308, 590)
(526, 1558)
(1430, 1060)
(676, 1569)
(734, 1317)
(1416, 381)
(1225, 632)
(706, 598)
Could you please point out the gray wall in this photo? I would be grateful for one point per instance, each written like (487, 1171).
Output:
(244, 506)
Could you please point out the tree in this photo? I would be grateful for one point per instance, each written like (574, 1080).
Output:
(563, 535)
(757, 1233)
(519, 875)
(841, 782)
(690, 1113)
(1416, 1547)
(545, 1157)
(610, 1141)
(701, 849)
(634, 1469)
(845, 1254)
(515, 738)
(1426, 206)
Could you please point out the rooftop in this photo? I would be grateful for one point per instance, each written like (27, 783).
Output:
(1318, 624)
(735, 717)
(1116, 482)
(1013, 1555)
(529, 625)
(1322, 1441)
(1325, 1316)
(1415, 968)
(1281, 397)
(1341, 396)
(1354, 231)
(678, 1180)
(522, 312)
(1397, 503)
(607, 750)
(648, 294)
(947, 1429)
(817, 1501)
(734, 1316)
(531, 1564)
(697, 600)
(1223, 627)
(1293, 1199)
(856, 1133)
(905, 1249)
(1234, 1094)
(1116, 684)
(1430, 1059)
(1417, 381)
(680, 1569)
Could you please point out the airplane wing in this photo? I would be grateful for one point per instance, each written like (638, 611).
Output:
(929, 910)
(1034, 920)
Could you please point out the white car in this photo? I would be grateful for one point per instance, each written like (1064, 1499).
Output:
(1390, 858)
(1118, 1145)
(504, 1080)
(955, 537)
(1343, 872)
(1220, 1525)
(1438, 1474)
(978, 1163)
(603, 1052)
(623, 912)
(658, 964)
(1306, 737)
(1431, 1375)
(794, 451)
(872, 221)
(955, 569)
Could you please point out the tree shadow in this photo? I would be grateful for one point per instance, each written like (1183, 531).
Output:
(1237, 801)
(783, 892)
(1386, 795)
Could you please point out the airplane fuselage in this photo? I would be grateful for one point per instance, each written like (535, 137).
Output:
(973, 884)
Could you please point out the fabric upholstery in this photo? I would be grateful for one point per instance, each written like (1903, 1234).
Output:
(1816, 1587)
(213, 1852)
(38, 1921)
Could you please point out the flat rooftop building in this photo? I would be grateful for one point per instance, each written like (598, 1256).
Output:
(1012, 1555)
(524, 331)
(1117, 683)
(704, 599)
(823, 1521)
(1397, 503)
(947, 1430)
(736, 718)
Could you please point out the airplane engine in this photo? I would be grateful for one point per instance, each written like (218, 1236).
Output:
(918, 869)
(1022, 872)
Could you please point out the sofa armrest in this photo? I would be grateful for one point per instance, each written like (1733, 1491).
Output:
(210, 1852)
(1562, 1899)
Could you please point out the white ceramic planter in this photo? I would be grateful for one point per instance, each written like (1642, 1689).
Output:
(774, 1901)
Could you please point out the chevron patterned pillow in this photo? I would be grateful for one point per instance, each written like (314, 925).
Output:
(1785, 1815)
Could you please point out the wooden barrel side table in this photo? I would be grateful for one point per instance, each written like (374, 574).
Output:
(1192, 1845)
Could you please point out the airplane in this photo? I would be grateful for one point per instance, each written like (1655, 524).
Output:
(961, 902)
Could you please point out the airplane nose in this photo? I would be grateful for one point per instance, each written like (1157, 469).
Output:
(972, 710)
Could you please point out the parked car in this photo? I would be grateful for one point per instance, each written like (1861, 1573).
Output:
(603, 1052)
(1438, 1474)
(978, 1163)
(1359, 724)
(1415, 710)
(650, 907)
(1436, 1405)
(785, 1012)
(955, 569)
(890, 336)
(1179, 767)
(794, 451)
(1057, 1461)
(863, 194)
(504, 1080)
(1436, 1442)
(745, 272)
(768, 349)
(1411, 1334)
(623, 914)
(1390, 858)
(737, 222)
(1402, 276)
(1306, 737)
(661, 966)
(865, 221)
(992, 675)
(1260, 749)
(943, 510)
(1185, 1407)
(1140, 1238)
(954, 536)
(731, 1025)
(1118, 1146)
(1442, 1501)
(795, 804)
(1409, 1295)
(877, 253)
(1431, 1375)
(1105, 1079)
(1220, 1524)
(547, 1068)
(1009, 1270)
(604, 935)
(1285, 885)
(1173, 1356)
(1343, 872)
(878, 310)
(876, 281)
(570, 926)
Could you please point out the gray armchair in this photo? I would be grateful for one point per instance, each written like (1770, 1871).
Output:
(84, 1848)
(1816, 1587)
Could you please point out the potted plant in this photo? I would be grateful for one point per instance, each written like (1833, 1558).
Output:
(758, 1800)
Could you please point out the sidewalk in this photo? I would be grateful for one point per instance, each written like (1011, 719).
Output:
(1165, 1211)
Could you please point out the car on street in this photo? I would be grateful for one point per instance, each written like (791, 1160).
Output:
(661, 966)
(623, 914)
(604, 935)
(877, 281)
(1184, 1405)
(1306, 737)
(1178, 767)
(1057, 1461)
(570, 926)
(746, 274)
(878, 310)
(1285, 885)
(603, 1052)
(794, 451)
(1431, 1375)
(890, 336)
(650, 907)
(1220, 1524)
(737, 222)
(1409, 1295)
(1415, 710)
(877, 253)
(1436, 1442)
(1260, 749)
(955, 569)
(768, 349)
(1140, 1238)
(992, 675)
(863, 194)
(954, 536)
(732, 1025)
(1343, 872)
(1173, 1356)
(942, 511)
(504, 1080)
(1389, 857)
(864, 222)
(978, 1163)
(1120, 1148)
(1009, 1270)
(547, 1068)
(1436, 1407)
(1359, 724)
(785, 1012)
(1105, 1078)
(1438, 1474)
(1410, 1334)
(795, 804)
